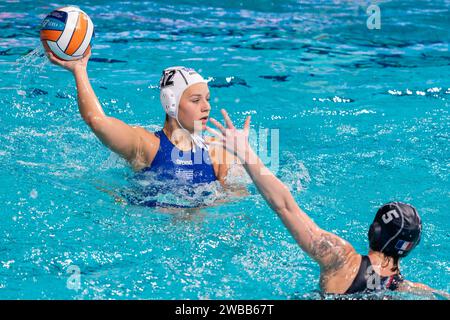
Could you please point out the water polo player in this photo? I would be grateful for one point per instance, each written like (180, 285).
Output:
(394, 233)
(177, 151)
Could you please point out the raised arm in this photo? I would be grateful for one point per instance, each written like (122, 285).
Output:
(330, 251)
(134, 144)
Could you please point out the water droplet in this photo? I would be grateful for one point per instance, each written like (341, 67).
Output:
(34, 194)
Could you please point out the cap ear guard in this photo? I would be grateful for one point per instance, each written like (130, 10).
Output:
(374, 236)
(418, 241)
(169, 102)
(420, 227)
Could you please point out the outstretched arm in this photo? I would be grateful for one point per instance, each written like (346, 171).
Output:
(330, 251)
(132, 143)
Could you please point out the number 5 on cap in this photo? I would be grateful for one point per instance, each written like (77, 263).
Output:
(389, 216)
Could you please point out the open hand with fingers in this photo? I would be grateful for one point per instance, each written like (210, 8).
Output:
(68, 65)
(230, 138)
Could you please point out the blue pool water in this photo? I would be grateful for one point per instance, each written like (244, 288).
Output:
(363, 119)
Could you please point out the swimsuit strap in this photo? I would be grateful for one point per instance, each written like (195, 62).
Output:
(361, 280)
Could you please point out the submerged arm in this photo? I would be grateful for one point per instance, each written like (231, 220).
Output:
(421, 289)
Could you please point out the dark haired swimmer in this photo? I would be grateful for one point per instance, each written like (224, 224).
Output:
(176, 152)
(395, 231)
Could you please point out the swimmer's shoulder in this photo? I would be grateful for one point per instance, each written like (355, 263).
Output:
(221, 159)
(220, 154)
(148, 148)
(210, 139)
(215, 151)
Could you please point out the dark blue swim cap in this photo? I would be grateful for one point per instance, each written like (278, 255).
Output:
(396, 229)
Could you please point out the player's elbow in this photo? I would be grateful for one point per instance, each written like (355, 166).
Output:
(279, 205)
(96, 123)
(282, 201)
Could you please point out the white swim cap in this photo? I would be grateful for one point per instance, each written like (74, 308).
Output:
(174, 81)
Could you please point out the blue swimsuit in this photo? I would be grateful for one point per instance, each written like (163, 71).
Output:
(179, 169)
(185, 166)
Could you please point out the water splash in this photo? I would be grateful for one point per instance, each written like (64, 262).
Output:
(334, 99)
(28, 67)
(294, 173)
(435, 92)
(28, 86)
(147, 189)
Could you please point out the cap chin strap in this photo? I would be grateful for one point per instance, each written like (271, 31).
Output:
(195, 138)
